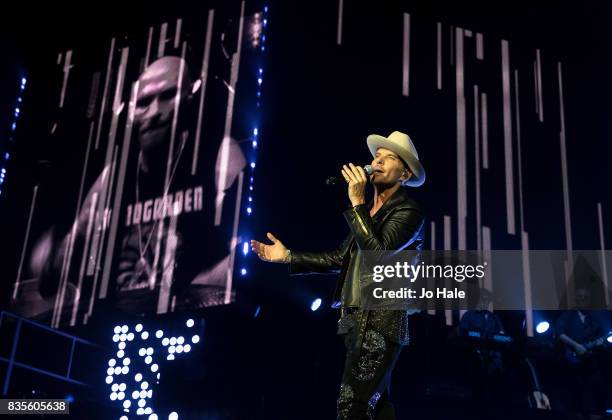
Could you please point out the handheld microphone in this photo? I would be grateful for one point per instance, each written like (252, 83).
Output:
(335, 180)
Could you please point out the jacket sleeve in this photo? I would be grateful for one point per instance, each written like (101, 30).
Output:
(400, 229)
(319, 262)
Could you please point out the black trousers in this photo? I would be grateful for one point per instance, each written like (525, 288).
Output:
(364, 391)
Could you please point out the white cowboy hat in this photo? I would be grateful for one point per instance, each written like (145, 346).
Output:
(400, 144)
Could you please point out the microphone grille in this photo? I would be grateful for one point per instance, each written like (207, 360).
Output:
(368, 169)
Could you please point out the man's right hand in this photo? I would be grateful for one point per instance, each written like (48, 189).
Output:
(276, 252)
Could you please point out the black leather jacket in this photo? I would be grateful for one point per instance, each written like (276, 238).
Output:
(398, 224)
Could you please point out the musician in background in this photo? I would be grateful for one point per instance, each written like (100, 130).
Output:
(581, 334)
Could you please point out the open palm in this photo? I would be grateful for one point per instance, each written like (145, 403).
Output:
(275, 252)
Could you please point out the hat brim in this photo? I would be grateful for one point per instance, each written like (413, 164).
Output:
(417, 179)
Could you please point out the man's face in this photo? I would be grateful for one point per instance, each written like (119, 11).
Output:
(156, 100)
(583, 298)
(388, 168)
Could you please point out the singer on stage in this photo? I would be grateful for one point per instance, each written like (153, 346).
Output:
(391, 221)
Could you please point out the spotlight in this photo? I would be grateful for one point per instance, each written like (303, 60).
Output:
(173, 416)
(117, 370)
(120, 396)
(316, 304)
(173, 341)
(117, 329)
(195, 339)
(243, 271)
(253, 165)
(113, 396)
(186, 348)
(123, 418)
(179, 349)
(127, 403)
(154, 367)
(116, 338)
(609, 337)
(144, 385)
(126, 361)
(245, 248)
(142, 403)
(135, 395)
(130, 336)
(115, 387)
(142, 352)
(165, 341)
(124, 329)
(153, 416)
(249, 211)
(190, 322)
(542, 327)
(122, 387)
(123, 337)
(150, 392)
(109, 379)
(120, 354)
(144, 335)
(150, 351)
(180, 340)
(143, 394)
(148, 360)
(122, 345)
(140, 412)
(110, 371)
(125, 370)
(138, 327)
(171, 349)
(138, 377)
(148, 410)
(159, 333)
(170, 357)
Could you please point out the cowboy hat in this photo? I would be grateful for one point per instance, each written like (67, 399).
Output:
(400, 144)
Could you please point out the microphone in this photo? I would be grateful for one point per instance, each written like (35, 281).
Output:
(335, 180)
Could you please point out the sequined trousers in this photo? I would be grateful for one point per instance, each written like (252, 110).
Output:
(364, 391)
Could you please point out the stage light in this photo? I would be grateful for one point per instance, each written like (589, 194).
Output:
(116, 338)
(124, 329)
(109, 379)
(170, 357)
(117, 329)
(190, 322)
(123, 418)
(171, 349)
(125, 370)
(23, 80)
(138, 377)
(122, 387)
(144, 385)
(180, 340)
(159, 333)
(148, 410)
(138, 327)
(252, 165)
(316, 304)
(148, 360)
(249, 210)
(259, 81)
(150, 351)
(179, 349)
(154, 367)
(127, 403)
(135, 395)
(186, 348)
(542, 327)
(255, 143)
(140, 412)
(195, 339)
(173, 416)
(173, 341)
(142, 403)
(165, 341)
(610, 338)
(110, 371)
(266, 9)
(113, 396)
(120, 395)
(117, 370)
(243, 271)
(122, 345)
(144, 335)
(126, 361)
(123, 337)
(115, 387)
(120, 354)
(130, 336)
(256, 130)
(150, 392)
(153, 416)
(245, 248)
(142, 352)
